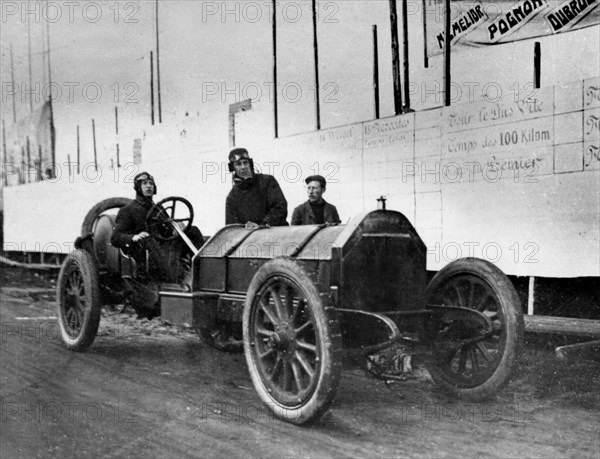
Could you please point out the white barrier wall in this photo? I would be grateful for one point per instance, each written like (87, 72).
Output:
(514, 181)
(47, 217)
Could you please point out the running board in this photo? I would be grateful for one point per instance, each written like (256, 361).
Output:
(191, 309)
(169, 289)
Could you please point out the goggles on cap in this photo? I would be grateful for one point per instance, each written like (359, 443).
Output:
(138, 179)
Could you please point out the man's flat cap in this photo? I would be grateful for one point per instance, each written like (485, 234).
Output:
(316, 178)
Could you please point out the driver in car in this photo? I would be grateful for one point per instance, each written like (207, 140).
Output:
(167, 261)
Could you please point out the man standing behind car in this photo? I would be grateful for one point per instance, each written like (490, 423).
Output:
(316, 210)
(255, 199)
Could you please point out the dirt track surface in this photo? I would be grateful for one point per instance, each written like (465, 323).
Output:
(146, 389)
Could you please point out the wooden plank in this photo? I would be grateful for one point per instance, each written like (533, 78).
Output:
(36, 266)
(573, 351)
(562, 325)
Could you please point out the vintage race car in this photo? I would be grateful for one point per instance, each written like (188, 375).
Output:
(302, 298)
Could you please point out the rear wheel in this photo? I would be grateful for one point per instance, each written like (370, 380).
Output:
(477, 370)
(292, 342)
(79, 301)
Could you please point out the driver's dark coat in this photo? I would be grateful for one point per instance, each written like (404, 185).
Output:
(164, 257)
(131, 220)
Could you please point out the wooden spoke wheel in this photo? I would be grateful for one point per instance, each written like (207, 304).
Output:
(79, 300)
(478, 369)
(292, 342)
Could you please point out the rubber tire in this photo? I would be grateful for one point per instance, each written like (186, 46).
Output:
(510, 305)
(87, 227)
(82, 261)
(329, 337)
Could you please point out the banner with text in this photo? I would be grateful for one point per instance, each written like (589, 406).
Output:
(484, 23)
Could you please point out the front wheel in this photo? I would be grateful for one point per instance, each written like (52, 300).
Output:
(292, 342)
(480, 368)
(79, 302)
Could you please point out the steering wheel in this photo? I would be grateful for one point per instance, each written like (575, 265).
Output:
(161, 219)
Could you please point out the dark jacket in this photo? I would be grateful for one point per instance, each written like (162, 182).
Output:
(303, 214)
(130, 221)
(165, 256)
(259, 200)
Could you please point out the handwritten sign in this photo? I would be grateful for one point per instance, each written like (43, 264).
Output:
(591, 93)
(504, 138)
(512, 107)
(591, 139)
(388, 131)
(341, 139)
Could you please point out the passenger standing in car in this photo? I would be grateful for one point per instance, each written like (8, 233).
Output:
(316, 210)
(255, 199)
